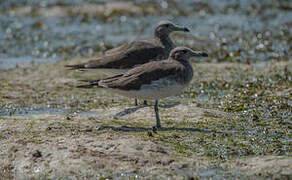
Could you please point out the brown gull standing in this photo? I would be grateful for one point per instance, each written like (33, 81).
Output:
(130, 55)
(153, 80)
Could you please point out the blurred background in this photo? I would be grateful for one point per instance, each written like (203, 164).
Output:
(230, 30)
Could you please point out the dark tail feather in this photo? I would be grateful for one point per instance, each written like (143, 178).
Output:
(91, 64)
(76, 66)
(86, 86)
(89, 81)
(92, 84)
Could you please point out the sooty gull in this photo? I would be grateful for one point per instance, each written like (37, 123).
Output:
(130, 55)
(153, 80)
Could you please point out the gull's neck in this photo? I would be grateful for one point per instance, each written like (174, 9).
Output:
(165, 41)
(187, 70)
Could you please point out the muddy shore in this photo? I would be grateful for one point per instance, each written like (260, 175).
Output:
(51, 129)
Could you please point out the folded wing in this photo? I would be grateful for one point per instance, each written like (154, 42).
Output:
(125, 57)
(142, 75)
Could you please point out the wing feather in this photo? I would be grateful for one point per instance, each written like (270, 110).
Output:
(129, 56)
(144, 74)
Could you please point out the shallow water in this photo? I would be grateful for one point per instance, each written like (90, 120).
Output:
(244, 31)
(30, 111)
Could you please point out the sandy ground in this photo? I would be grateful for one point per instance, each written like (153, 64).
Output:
(101, 135)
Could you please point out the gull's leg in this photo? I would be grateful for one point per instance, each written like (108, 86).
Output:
(157, 115)
(145, 103)
(136, 102)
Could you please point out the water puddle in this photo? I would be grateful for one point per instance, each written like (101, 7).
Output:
(25, 111)
(30, 111)
(11, 62)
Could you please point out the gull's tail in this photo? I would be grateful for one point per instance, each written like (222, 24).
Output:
(91, 84)
(76, 66)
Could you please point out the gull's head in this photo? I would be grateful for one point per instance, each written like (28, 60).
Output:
(184, 53)
(166, 27)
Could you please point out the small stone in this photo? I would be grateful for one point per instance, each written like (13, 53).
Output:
(149, 133)
(255, 117)
(37, 154)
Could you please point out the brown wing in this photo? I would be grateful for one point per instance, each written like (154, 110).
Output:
(120, 48)
(144, 74)
(137, 53)
(126, 47)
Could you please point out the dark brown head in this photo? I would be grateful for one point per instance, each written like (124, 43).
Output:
(166, 27)
(184, 53)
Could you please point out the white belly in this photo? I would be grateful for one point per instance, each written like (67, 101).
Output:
(156, 90)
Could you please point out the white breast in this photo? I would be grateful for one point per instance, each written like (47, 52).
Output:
(156, 90)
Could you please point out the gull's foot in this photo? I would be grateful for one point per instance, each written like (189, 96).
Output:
(145, 103)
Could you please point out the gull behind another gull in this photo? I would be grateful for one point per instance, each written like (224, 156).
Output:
(153, 80)
(130, 55)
